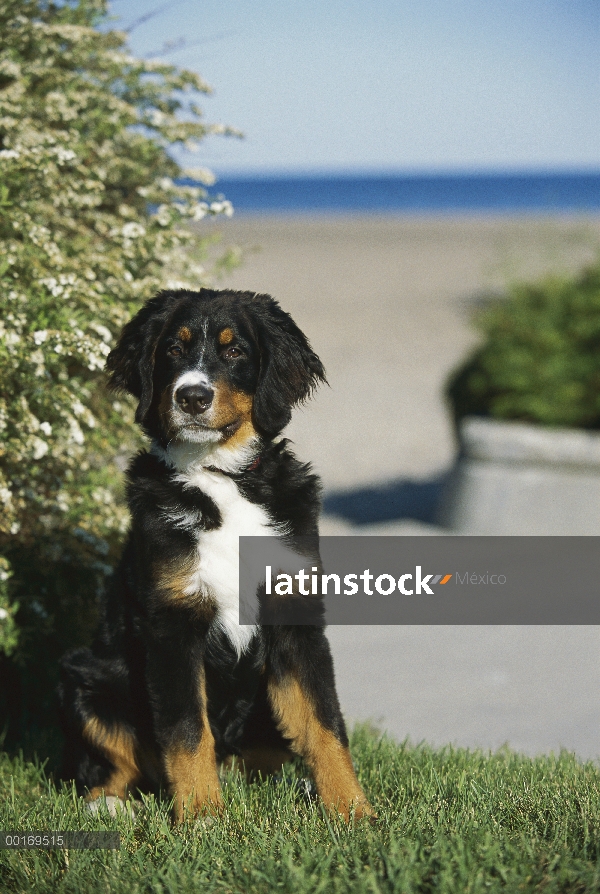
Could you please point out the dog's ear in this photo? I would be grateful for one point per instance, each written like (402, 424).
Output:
(130, 364)
(289, 368)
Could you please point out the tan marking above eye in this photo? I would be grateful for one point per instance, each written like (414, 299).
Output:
(185, 334)
(226, 336)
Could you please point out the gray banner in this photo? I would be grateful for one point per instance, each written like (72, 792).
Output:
(421, 580)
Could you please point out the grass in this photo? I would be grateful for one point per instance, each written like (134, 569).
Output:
(450, 820)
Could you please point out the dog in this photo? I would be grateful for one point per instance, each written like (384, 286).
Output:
(173, 685)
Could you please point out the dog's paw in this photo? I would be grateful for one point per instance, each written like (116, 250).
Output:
(114, 806)
(302, 789)
(205, 822)
(364, 811)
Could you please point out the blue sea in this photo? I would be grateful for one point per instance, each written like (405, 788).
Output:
(404, 193)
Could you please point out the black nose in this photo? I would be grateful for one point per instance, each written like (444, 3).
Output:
(194, 399)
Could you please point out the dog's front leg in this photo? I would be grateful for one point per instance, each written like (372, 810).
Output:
(301, 689)
(176, 681)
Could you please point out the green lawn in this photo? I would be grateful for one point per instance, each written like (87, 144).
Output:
(449, 820)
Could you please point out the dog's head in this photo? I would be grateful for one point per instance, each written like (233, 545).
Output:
(213, 367)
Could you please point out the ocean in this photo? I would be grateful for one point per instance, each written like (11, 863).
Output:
(404, 193)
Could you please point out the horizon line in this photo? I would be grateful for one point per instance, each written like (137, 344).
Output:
(408, 172)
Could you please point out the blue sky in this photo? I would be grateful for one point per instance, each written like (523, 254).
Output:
(351, 85)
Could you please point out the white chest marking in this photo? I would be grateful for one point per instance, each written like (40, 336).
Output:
(217, 569)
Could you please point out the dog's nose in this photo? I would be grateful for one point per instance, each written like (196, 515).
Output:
(194, 399)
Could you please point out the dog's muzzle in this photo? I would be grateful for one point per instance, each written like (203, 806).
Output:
(194, 399)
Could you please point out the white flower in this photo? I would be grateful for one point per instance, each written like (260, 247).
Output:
(3, 614)
(40, 336)
(62, 501)
(63, 155)
(40, 448)
(10, 68)
(199, 211)
(163, 216)
(75, 434)
(202, 175)
(8, 153)
(53, 286)
(133, 230)
(37, 357)
(102, 331)
(102, 495)
(46, 428)
(224, 207)
(6, 497)
(157, 117)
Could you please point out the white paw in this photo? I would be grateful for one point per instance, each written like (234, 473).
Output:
(113, 805)
(202, 823)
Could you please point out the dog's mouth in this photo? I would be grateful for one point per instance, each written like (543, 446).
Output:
(226, 431)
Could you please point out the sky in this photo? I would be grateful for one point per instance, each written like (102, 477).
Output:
(386, 85)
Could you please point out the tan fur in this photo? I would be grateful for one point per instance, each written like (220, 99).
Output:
(172, 580)
(328, 759)
(226, 336)
(120, 747)
(230, 405)
(245, 433)
(184, 334)
(193, 774)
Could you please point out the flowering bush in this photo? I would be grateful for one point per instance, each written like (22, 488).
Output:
(92, 223)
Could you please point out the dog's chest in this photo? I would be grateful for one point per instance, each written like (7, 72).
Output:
(216, 570)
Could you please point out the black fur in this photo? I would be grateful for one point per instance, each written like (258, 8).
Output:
(140, 677)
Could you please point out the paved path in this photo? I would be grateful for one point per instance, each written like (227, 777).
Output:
(386, 304)
(537, 688)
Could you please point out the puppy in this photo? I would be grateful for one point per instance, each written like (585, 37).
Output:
(173, 685)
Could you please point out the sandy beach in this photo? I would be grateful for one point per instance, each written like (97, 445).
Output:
(386, 303)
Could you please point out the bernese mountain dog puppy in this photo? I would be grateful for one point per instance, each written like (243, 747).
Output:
(172, 684)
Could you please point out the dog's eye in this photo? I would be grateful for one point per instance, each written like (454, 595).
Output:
(175, 351)
(232, 353)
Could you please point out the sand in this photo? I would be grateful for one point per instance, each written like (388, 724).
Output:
(386, 303)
